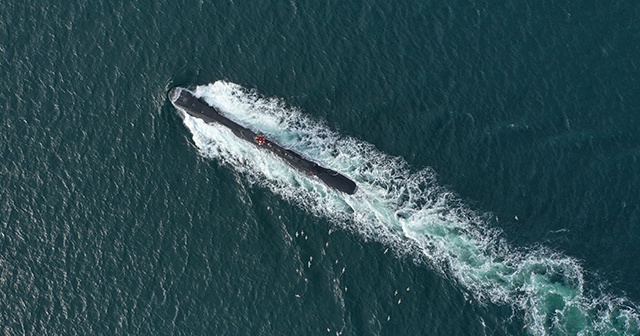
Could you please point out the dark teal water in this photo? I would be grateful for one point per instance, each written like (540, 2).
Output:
(504, 135)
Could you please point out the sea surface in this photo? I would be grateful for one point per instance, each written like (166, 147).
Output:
(495, 145)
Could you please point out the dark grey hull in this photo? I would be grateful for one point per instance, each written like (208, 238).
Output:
(186, 101)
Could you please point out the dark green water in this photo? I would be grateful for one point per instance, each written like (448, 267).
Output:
(118, 217)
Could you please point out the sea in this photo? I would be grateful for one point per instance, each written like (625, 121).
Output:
(495, 145)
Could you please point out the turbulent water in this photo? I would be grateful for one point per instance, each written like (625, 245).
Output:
(409, 212)
(495, 145)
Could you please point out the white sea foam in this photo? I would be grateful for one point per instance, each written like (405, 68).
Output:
(409, 212)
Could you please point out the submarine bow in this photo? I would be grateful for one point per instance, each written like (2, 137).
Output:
(186, 101)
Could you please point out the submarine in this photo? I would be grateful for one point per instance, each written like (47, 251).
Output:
(186, 101)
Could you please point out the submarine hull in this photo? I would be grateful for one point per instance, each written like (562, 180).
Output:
(185, 100)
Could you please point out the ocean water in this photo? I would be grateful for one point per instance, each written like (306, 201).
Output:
(495, 147)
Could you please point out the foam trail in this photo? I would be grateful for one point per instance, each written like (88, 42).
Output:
(410, 212)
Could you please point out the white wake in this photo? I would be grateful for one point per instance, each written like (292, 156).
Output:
(409, 212)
